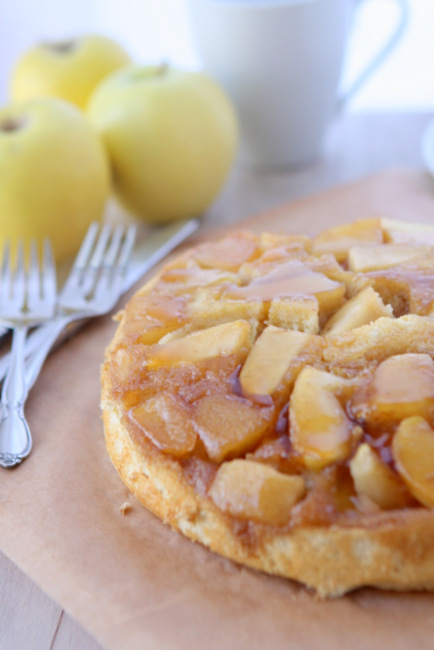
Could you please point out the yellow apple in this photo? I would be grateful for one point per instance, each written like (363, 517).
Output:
(54, 175)
(69, 69)
(171, 137)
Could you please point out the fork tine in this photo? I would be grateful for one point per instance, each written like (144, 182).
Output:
(101, 245)
(41, 278)
(86, 248)
(90, 275)
(127, 247)
(49, 284)
(82, 258)
(120, 247)
(113, 249)
(33, 291)
(112, 276)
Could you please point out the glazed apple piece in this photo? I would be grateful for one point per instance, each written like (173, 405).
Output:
(406, 232)
(340, 239)
(270, 261)
(320, 430)
(150, 315)
(229, 425)
(293, 278)
(401, 386)
(166, 421)
(188, 279)
(125, 369)
(229, 253)
(270, 358)
(364, 308)
(362, 259)
(408, 286)
(221, 340)
(377, 481)
(413, 453)
(365, 346)
(273, 241)
(250, 490)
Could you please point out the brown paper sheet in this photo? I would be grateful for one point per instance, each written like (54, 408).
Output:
(130, 580)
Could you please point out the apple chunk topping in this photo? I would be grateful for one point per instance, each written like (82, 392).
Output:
(368, 345)
(404, 232)
(383, 256)
(270, 358)
(413, 453)
(229, 425)
(340, 239)
(150, 315)
(220, 340)
(377, 481)
(320, 430)
(294, 278)
(183, 280)
(364, 308)
(167, 423)
(229, 253)
(402, 386)
(250, 490)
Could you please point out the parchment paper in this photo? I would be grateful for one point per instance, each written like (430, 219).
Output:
(130, 580)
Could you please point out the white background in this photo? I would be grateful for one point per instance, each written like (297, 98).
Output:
(155, 30)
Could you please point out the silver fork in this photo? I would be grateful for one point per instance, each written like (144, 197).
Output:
(26, 299)
(152, 249)
(93, 288)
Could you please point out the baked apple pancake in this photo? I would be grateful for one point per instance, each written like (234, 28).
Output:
(272, 397)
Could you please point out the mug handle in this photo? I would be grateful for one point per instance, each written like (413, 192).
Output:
(381, 55)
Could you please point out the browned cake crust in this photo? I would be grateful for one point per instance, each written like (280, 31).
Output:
(332, 543)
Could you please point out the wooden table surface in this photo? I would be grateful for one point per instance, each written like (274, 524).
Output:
(357, 146)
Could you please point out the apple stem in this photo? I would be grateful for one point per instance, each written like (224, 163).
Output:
(11, 124)
(150, 72)
(61, 47)
(162, 68)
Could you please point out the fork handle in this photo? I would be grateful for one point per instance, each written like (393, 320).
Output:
(51, 332)
(38, 345)
(15, 436)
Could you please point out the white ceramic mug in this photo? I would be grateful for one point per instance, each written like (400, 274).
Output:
(280, 61)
